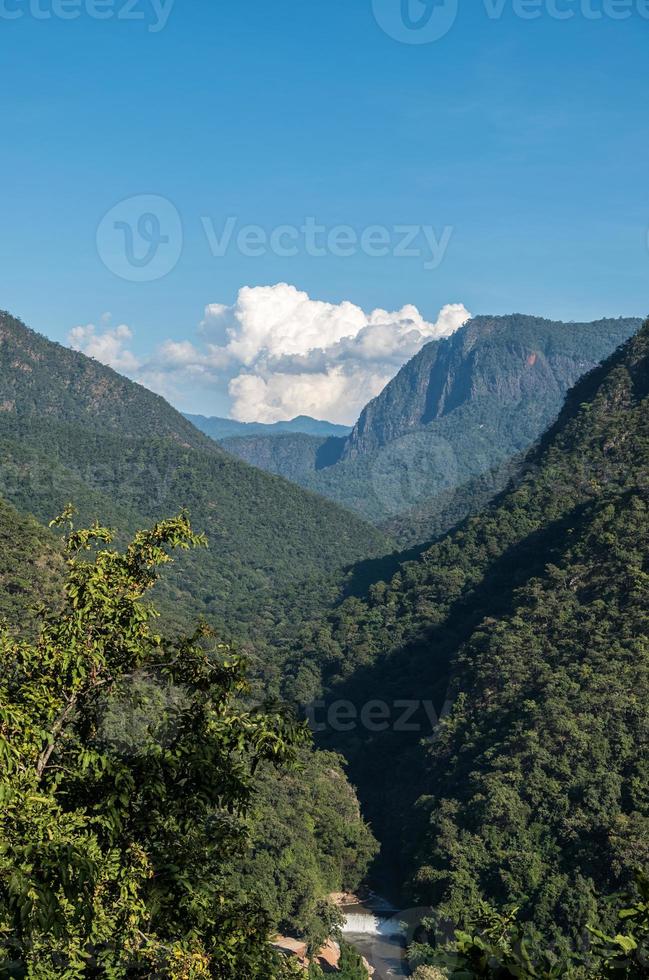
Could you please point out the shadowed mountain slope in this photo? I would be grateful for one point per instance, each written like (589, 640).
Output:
(531, 621)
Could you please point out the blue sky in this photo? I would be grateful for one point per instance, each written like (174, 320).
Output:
(523, 141)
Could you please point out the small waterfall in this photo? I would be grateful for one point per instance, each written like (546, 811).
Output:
(367, 924)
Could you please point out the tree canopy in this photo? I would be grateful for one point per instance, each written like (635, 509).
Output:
(127, 766)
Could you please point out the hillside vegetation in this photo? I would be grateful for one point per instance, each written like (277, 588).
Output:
(41, 379)
(31, 567)
(531, 620)
(70, 431)
(131, 788)
(528, 624)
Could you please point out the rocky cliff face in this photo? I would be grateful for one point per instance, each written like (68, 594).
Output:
(518, 362)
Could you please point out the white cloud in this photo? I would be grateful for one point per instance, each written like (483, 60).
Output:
(278, 353)
(109, 347)
(336, 395)
(279, 320)
(300, 356)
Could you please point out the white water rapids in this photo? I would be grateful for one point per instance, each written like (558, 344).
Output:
(370, 924)
(377, 932)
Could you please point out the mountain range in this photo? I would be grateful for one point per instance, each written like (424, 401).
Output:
(459, 409)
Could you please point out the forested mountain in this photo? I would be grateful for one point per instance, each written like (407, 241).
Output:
(217, 428)
(41, 379)
(531, 621)
(495, 365)
(74, 430)
(459, 408)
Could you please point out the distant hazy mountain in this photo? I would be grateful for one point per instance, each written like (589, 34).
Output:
(219, 429)
(462, 406)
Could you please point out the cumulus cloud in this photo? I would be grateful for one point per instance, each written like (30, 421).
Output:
(277, 353)
(110, 346)
(337, 395)
(279, 320)
(300, 356)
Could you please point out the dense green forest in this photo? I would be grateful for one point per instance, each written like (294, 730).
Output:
(31, 567)
(41, 379)
(152, 823)
(70, 430)
(531, 620)
(461, 407)
(308, 840)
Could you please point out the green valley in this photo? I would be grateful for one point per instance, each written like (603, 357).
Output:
(524, 629)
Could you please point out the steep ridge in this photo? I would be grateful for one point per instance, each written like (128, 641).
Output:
(40, 378)
(497, 364)
(531, 620)
(71, 429)
(459, 408)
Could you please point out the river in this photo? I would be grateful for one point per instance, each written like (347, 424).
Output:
(374, 929)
